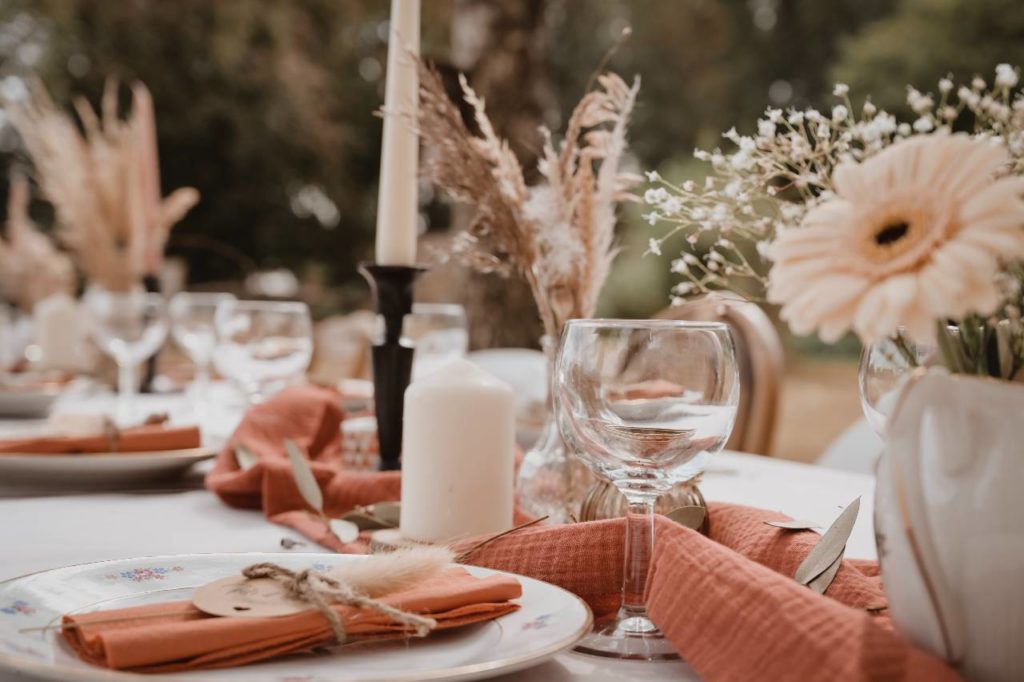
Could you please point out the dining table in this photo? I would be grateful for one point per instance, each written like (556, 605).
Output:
(63, 522)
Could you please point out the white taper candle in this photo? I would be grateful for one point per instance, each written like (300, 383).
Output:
(397, 206)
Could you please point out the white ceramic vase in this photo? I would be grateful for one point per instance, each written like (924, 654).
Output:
(949, 520)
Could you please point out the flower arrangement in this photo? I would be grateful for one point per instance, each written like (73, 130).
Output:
(104, 183)
(910, 230)
(557, 234)
(31, 266)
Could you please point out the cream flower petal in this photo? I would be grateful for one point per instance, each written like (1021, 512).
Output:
(850, 182)
(915, 237)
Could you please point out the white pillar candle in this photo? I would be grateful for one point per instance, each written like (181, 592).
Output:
(397, 205)
(458, 454)
(60, 334)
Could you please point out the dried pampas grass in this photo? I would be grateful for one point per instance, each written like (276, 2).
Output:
(559, 234)
(104, 182)
(394, 571)
(31, 267)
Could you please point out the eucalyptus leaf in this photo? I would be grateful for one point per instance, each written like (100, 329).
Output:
(304, 478)
(830, 547)
(346, 531)
(793, 524)
(691, 516)
(821, 583)
(388, 512)
(365, 521)
(244, 457)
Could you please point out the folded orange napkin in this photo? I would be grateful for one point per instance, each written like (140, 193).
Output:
(728, 602)
(140, 639)
(150, 438)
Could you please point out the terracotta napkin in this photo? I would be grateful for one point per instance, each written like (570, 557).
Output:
(311, 417)
(151, 438)
(728, 603)
(187, 639)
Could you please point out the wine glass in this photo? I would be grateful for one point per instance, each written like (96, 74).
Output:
(192, 327)
(262, 345)
(884, 369)
(644, 404)
(129, 326)
(438, 333)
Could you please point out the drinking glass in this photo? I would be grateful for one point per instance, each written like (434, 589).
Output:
(438, 333)
(262, 345)
(192, 327)
(645, 404)
(129, 326)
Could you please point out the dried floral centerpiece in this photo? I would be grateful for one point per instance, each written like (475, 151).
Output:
(911, 231)
(31, 266)
(558, 234)
(103, 180)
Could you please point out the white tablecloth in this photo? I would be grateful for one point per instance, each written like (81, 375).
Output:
(46, 530)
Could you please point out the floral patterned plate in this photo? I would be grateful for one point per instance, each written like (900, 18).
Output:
(549, 621)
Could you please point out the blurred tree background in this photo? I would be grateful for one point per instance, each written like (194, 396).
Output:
(267, 106)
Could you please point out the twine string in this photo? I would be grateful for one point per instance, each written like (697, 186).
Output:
(322, 590)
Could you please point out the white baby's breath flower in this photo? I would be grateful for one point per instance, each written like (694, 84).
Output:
(672, 205)
(978, 83)
(839, 113)
(1006, 76)
(688, 186)
(945, 86)
(904, 130)
(654, 246)
(651, 218)
(653, 176)
(841, 90)
(869, 108)
(766, 128)
(680, 267)
(923, 125)
(796, 117)
(690, 259)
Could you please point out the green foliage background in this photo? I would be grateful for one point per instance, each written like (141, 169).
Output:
(257, 99)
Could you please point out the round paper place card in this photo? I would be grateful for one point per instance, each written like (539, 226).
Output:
(240, 597)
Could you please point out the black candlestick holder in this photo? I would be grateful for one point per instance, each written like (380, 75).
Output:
(392, 287)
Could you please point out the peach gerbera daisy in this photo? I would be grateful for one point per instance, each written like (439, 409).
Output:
(915, 235)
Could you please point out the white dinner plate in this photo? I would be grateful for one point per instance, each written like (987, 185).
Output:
(98, 469)
(549, 621)
(27, 404)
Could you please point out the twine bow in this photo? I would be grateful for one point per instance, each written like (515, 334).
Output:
(322, 590)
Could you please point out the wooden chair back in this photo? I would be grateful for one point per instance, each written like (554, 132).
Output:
(761, 360)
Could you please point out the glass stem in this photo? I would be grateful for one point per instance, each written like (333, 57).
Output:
(637, 559)
(125, 392)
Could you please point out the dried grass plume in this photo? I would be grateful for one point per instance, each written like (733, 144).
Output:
(559, 234)
(104, 182)
(31, 266)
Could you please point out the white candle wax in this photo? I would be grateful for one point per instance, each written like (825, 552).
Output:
(59, 333)
(458, 454)
(397, 206)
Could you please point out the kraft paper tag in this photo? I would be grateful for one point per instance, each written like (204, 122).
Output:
(241, 597)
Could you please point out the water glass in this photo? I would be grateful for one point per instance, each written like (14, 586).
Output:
(129, 326)
(193, 329)
(263, 345)
(645, 404)
(438, 332)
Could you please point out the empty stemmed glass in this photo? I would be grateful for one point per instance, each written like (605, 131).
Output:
(263, 345)
(645, 404)
(193, 328)
(129, 326)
